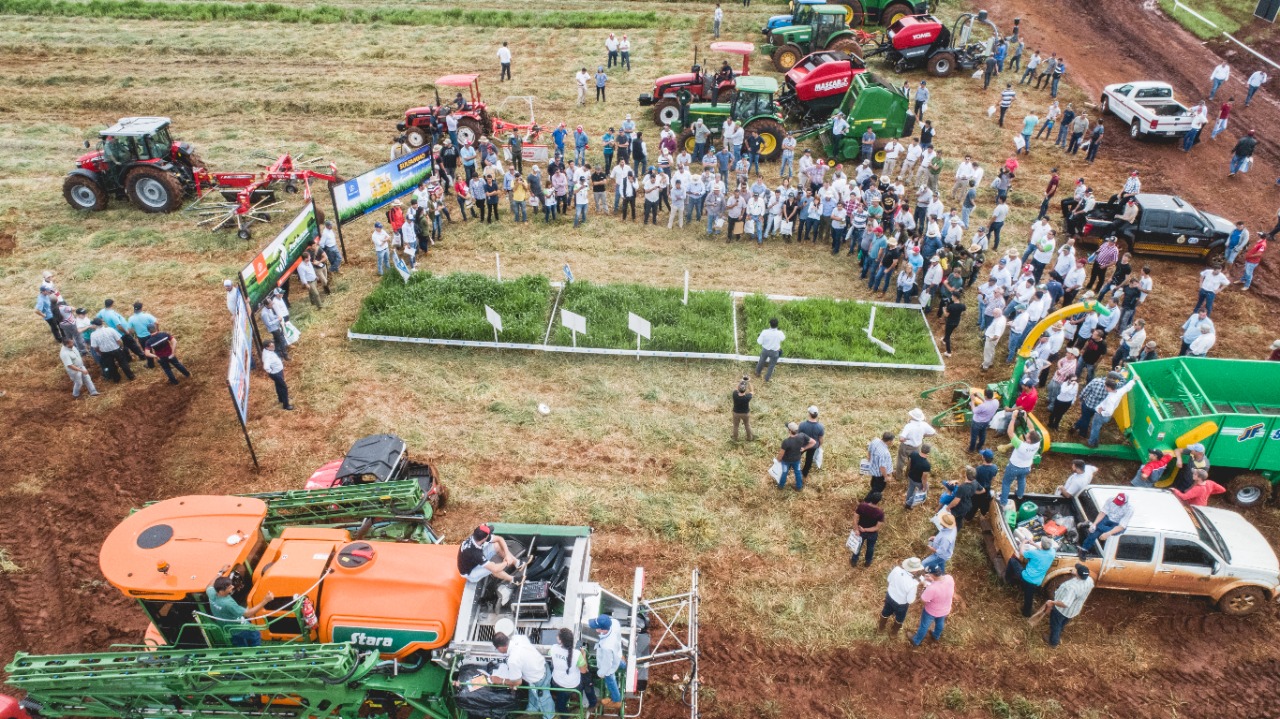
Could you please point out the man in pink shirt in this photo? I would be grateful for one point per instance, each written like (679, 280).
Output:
(1198, 495)
(939, 591)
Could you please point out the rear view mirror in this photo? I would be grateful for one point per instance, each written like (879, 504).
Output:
(86, 144)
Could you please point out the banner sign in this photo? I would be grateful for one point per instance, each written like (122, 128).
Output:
(241, 349)
(376, 188)
(276, 261)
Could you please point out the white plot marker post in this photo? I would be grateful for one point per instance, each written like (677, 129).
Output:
(494, 319)
(575, 322)
(871, 325)
(641, 327)
(685, 301)
(497, 258)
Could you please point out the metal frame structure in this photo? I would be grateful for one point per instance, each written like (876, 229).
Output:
(667, 612)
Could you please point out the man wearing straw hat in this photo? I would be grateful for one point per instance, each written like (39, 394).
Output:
(910, 439)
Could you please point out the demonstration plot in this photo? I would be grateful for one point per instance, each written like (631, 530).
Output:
(827, 329)
(452, 307)
(703, 325)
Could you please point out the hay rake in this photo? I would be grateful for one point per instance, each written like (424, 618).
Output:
(240, 199)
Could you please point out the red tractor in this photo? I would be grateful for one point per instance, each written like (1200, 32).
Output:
(136, 159)
(420, 124)
(923, 41)
(381, 458)
(703, 83)
(816, 85)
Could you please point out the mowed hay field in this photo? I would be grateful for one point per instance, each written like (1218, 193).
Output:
(638, 450)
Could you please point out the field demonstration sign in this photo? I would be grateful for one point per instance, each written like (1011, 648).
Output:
(240, 366)
(277, 260)
(376, 188)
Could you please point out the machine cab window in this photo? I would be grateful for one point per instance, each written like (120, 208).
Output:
(1135, 548)
(1187, 553)
(750, 104)
(824, 26)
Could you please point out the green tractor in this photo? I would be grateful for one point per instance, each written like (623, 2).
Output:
(826, 30)
(754, 108)
(872, 103)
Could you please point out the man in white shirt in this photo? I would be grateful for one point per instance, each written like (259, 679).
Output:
(1066, 258)
(381, 247)
(1072, 283)
(233, 298)
(914, 154)
(1199, 118)
(1018, 330)
(1079, 480)
(74, 365)
(964, 173)
(678, 195)
(892, 151)
(618, 173)
(770, 341)
(1201, 345)
(1220, 74)
(652, 191)
(329, 244)
(274, 367)
(716, 18)
(1212, 281)
(991, 338)
(1042, 255)
(911, 439)
(1255, 81)
(504, 59)
(1107, 407)
(527, 666)
(582, 78)
(904, 580)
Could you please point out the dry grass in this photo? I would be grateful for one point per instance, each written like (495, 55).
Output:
(638, 450)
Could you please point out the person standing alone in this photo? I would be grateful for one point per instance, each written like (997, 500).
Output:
(770, 341)
(504, 60)
(742, 407)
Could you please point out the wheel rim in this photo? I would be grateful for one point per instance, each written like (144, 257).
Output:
(668, 114)
(787, 60)
(83, 196)
(943, 67)
(691, 144)
(879, 157)
(415, 137)
(465, 135)
(1248, 495)
(151, 192)
(768, 143)
(1242, 602)
(1133, 131)
(896, 17)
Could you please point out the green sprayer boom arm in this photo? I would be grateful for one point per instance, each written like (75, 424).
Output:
(401, 498)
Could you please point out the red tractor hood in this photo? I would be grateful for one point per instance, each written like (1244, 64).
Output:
(424, 110)
(326, 476)
(90, 160)
(683, 78)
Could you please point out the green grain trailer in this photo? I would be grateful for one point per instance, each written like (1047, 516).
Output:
(1230, 406)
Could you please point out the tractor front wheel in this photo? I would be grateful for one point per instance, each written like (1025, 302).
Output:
(666, 111)
(469, 131)
(771, 133)
(853, 13)
(416, 137)
(83, 193)
(894, 12)
(941, 64)
(151, 189)
(687, 141)
(847, 45)
(1248, 490)
(786, 57)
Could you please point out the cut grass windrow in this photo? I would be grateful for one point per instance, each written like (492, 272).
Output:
(331, 15)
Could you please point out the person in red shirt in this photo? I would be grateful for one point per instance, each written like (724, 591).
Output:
(1252, 258)
(1151, 472)
(395, 217)
(1049, 191)
(1198, 495)
(1028, 397)
(1223, 113)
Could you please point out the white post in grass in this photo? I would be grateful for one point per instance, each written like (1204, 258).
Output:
(686, 287)
(575, 322)
(497, 258)
(871, 325)
(641, 327)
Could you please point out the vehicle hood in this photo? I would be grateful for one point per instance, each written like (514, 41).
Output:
(89, 158)
(1221, 224)
(790, 32)
(777, 21)
(680, 78)
(706, 109)
(424, 110)
(1249, 549)
(325, 477)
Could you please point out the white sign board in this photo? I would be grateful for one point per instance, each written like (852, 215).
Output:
(573, 321)
(638, 324)
(494, 318)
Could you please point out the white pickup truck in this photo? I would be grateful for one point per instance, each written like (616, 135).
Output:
(1167, 547)
(1147, 107)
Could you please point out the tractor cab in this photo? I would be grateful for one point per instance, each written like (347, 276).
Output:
(133, 139)
(826, 21)
(706, 81)
(379, 458)
(755, 98)
(421, 124)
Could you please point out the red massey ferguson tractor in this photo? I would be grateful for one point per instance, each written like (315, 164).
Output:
(815, 87)
(923, 41)
(136, 159)
(474, 118)
(702, 81)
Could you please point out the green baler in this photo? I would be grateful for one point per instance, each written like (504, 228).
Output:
(1230, 406)
(870, 103)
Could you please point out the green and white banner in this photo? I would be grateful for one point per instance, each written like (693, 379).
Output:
(366, 193)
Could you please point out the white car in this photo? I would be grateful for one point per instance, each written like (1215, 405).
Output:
(1147, 107)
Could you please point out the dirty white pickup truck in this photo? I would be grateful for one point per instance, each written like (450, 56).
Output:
(1148, 108)
(1168, 547)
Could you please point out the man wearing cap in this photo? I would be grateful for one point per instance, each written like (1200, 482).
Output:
(609, 659)
(937, 597)
(1067, 602)
(46, 304)
(813, 429)
(1188, 460)
(904, 581)
(381, 247)
(789, 455)
(483, 554)
(1275, 352)
(911, 438)
(527, 667)
(1021, 459)
(1111, 521)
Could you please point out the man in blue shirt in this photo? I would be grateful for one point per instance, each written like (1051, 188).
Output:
(44, 310)
(606, 144)
(229, 613)
(1036, 560)
(468, 156)
(1236, 242)
(116, 321)
(140, 323)
(558, 135)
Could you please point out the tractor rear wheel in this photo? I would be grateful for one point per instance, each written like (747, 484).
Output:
(469, 131)
(941, 64)
(894, 12)
(151, 189)
(1248, 490)
(687, 141)
(82, 193)
(771, 133)
(848, 46)
(853, 13)
(785, 57)
(666, 111)
(416, 137)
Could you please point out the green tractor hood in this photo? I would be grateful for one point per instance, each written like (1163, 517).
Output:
(713, 116)
(798, 34)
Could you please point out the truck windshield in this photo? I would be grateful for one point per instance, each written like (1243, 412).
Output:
(1209, 533)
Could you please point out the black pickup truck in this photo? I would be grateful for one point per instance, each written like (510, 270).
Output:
(1166, 225)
